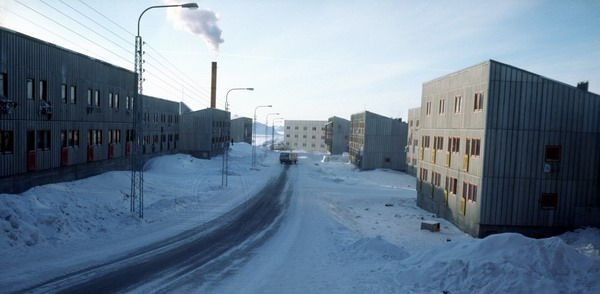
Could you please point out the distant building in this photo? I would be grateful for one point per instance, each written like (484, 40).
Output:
(160, 125)
(337, 133)
(305, 135)
(412, 146)
(377, 142)
(205, 132)
(241, 129)
(506, 150)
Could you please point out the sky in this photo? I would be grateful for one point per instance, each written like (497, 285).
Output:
(312, 60)
(344, 231)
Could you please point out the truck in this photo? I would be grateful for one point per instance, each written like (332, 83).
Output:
(288, 158)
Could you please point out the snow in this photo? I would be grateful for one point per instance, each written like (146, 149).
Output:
(345, 231)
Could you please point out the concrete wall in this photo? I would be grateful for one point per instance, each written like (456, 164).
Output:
(305, 135)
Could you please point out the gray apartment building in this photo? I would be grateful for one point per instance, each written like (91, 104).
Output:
(506, 150)
(377, 141)
(66, 116)
(337, 135)
(204, 133)
(306, 135)
(412, 146)
(241, 130)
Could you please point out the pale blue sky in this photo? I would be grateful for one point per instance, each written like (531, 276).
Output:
(316, 59)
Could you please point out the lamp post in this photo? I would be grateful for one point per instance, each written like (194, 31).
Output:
(225, 166)
(226, 95)
(267, 123)
(273, 131)
(137, 158)
(254, 134)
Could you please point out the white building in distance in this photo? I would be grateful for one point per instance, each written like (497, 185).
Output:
(305, 135)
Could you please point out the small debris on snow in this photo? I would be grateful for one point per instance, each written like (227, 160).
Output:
(389, 204)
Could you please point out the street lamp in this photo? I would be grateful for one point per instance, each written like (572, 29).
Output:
(254, 134)
(225, 166)
(137, 158)
(273, 131)
(227, 104)
(267, 123)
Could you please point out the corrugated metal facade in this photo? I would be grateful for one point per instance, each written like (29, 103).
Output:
(377, 141)
(241, 129)
(204, 133)
(161, 125)
(503, 149)
(337, 135)
(73, 116)
(70, 109)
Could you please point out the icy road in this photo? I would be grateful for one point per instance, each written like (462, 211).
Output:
(186, 258)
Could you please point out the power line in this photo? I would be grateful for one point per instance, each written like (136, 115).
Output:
(71, 30)
(187, 82)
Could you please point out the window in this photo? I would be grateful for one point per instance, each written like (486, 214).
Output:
(457, 104)
(44, 90)
(442, 106)
(287, 135)
(475, 147)
(478, 101)
(116, 102)
(97, 98)
(454, 144)
(89, 97)
(425, 140)
(30, 140)
(549, 201)
(469, 192)
(552, 153)
(417, 122)
(64, 141)
(30, 89)
(98, 137)
(43, 140)
(436, 178)
(423, 174)
(438, 143)
(110, 100)
(75, 138)
(411, 123)
(428, 109)
(6, 142)
(288, 127)
(451, 184)
(314, 128)
(63, 93)
(3, 85)
(73, 95)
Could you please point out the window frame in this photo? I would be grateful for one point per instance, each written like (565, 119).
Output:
(549, 201)
(546, 153)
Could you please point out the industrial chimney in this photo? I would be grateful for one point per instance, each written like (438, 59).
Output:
(213, 86)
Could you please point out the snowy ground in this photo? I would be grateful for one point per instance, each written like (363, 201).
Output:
(345, 231)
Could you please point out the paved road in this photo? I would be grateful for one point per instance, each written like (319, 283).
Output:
(188, 258)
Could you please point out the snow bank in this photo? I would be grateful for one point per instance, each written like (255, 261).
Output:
(504, 263)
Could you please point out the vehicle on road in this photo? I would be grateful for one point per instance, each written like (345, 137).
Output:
(288, 158)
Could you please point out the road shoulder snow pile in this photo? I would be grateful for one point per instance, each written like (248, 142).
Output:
(504, 263)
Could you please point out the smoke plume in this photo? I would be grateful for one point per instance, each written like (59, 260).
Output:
(201, 21)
